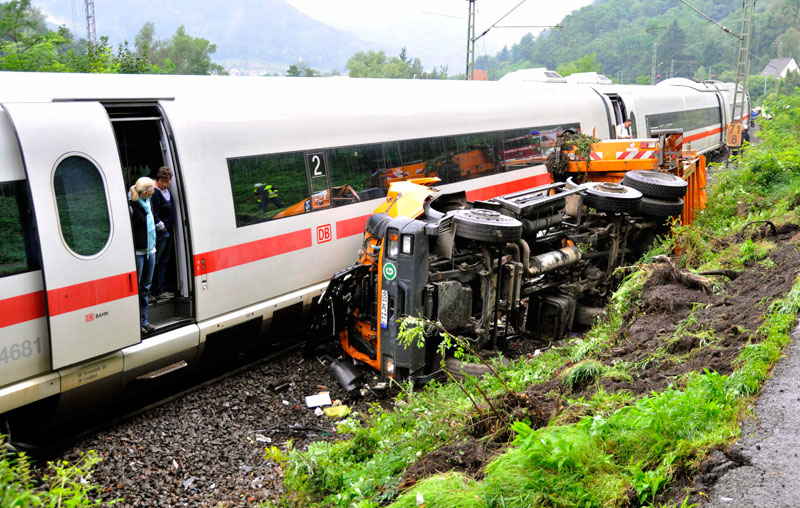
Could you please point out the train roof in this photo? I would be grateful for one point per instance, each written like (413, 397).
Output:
(301, 112)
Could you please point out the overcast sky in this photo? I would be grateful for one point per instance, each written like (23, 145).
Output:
(433, 30)
(403, 23)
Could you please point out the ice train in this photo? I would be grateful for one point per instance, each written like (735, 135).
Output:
(71, 145)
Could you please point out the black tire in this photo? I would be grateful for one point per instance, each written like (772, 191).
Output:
(661, 207)
(613, 197)
(486, 226)
(655, 184)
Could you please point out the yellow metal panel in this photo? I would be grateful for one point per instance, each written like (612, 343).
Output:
(414, 193)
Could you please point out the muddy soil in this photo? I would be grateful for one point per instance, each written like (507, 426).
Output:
(721, 325)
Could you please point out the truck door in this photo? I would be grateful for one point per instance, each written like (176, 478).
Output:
(81, 210)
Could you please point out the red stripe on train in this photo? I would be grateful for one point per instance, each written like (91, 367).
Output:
(91, 293)
(508, 187)
(700, 135)
(252, 251)
(19, 309)
(350, 227)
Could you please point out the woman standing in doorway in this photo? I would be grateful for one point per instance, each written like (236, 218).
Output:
(144, 242)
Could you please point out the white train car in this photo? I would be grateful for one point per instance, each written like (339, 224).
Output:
(71, 145)
(701, 109)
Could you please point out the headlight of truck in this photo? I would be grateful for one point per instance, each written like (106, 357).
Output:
(408, 244)
(392, 243)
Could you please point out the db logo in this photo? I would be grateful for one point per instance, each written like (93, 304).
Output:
(324, 233)
(90, 317)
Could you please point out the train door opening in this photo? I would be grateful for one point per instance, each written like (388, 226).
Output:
(620, 112)
(144, 147)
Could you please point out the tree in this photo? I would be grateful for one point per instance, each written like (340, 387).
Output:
(145, 41)
(587, 63)
(27, 45)
(376, 64)
(293, 71)
(189, 55)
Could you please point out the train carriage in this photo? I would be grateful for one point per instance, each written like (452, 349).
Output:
(71, 145)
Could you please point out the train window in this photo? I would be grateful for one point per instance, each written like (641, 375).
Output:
(468, 156)
(267, 187)
(17, 254)
(687, 120)
(82, 206)
(360, 172)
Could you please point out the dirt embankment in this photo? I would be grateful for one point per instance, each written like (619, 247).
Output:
(718, 327)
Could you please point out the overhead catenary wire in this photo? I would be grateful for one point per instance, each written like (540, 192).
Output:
(723, 27)
(501, 19)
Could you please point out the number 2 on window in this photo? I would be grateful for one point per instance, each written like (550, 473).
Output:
(316, 160)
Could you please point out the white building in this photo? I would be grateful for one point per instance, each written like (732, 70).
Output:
(778, 67)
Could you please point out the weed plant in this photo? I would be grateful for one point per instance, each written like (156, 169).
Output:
(64, 484)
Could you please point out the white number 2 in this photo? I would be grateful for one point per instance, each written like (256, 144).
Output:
(316, 159)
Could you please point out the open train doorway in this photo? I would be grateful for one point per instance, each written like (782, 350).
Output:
(621, 113)
(144, 147)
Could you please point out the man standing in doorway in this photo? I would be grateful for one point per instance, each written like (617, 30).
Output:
(163, 213)
(624, 129)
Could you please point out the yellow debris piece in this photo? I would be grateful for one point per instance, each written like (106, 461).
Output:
(336, 411)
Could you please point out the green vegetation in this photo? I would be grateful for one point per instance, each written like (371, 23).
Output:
(605, 448)
(621, 37)
(375, 64)
(26, 44)
(62, 485)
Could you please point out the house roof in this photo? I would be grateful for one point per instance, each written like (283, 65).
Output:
(776, 66)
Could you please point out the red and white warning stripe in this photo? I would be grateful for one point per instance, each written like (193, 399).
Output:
(595, 156)
(636, 154)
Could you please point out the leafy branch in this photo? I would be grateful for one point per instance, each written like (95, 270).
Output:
(413, 331)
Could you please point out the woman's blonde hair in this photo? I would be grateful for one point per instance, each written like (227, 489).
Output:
(143, 185)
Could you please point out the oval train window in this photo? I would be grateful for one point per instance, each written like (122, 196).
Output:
(82, 206)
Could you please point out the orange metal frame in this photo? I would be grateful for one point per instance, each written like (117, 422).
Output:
(610, 160)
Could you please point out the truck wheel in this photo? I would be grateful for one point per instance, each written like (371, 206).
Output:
(613, 197)
(661, 207)
(655, 184)
(486, 226)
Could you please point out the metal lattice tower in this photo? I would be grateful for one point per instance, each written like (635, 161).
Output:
(471, 40)
(743, 64)
(91, 29)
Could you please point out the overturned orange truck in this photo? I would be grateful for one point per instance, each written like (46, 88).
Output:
(539, 262)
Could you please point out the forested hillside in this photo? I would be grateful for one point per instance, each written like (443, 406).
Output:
(624, 34)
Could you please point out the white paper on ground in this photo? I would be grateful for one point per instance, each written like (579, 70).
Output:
(320, 399)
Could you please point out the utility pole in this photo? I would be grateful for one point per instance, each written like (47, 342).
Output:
(471, 41)
(734, 137)
(655, 53)
(653, 68)
(734, 129)
(91, 29)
